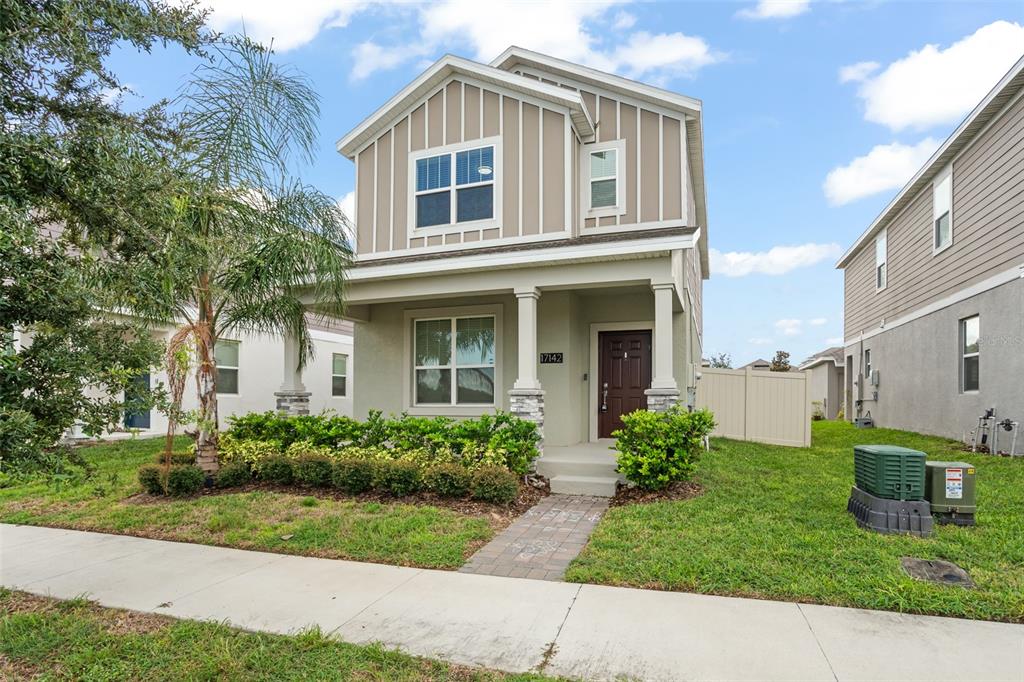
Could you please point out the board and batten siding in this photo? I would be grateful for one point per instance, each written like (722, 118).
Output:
(532, 169)
(988, 232)
(658, 182)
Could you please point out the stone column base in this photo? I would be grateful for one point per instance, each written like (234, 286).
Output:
(660, 399)
(293, 403)
(528, 404)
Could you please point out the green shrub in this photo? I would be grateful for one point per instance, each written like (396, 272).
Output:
(494, 484)
(659, 448)
(318, 430)
(448, 480)
(312, 469)
(233, 475)
(184, 480)
(353, 476)
(188, 457)
(151, 478)
(231, 448)
(276, 469)
(399, 478)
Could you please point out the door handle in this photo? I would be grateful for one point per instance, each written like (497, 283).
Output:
(604, 397)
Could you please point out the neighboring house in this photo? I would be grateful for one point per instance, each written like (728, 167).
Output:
(934, 302)
(825, 380)
(760, 365)
(253, 374)
(531, 237)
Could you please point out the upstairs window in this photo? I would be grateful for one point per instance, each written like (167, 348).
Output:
(881, 255)
(604, 167)
(473, 196)
(970, 336)
(225, 355)
(942, 210)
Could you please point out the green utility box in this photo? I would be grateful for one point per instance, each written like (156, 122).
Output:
(950, 489)
(889, 471)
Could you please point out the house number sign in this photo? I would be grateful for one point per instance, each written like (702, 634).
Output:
(550, 358)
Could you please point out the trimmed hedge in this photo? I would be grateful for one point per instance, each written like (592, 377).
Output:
(399, 478)
(354, 476)
(494, 484)
(313, 469)
(151, 478)
(277, 469)
(232, 475)
(656, 449)
(184, 480)
(176, 458)
(448, 480)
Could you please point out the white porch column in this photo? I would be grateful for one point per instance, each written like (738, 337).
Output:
(664, 392)
(526, 399)
(292, 398)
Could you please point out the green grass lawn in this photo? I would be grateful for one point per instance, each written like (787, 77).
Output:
(393, 533)
(47, 639)
(772, 523)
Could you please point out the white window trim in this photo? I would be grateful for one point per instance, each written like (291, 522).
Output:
(345, 394)
(946, 172)
(454, 227)
(237, 369)
(882, 236)
(961, 339)
(409, 367)
(621, 199)
(866, 359)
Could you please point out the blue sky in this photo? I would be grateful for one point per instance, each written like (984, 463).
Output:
(815, 113)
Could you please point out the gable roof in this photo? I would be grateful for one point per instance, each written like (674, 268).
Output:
(691, 110)
(450, 65)
(754, 364)
(1011, 85)
(833, 355)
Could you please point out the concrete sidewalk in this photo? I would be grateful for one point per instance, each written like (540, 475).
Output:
(583, 631)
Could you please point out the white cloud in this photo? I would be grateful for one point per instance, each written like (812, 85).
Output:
(760, 341)
(562, 29)
(885, 167)
(289, 24)
(789, 327)
(347, 204)
(817, 321)
(371, 57)
(834, 341)
(932, 86)
(776, 261)
(775, 9)
(855, 73)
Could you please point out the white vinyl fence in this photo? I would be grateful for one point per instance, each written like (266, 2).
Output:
(768, 407)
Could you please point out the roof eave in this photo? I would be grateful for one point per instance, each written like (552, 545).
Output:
(449, 65)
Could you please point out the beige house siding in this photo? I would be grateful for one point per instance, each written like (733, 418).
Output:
(988, 232)
(533, 151)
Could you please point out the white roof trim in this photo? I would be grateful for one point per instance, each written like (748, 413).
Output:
(940, 159)
(441, 70)
(519, 55)
(814, 362)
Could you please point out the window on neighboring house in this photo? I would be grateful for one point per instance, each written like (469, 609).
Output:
(339, 374)
(473, 198)
(942, 210)
(867, 365)
(881, 255)
(970, 335)
(454, 361)
(225, 355)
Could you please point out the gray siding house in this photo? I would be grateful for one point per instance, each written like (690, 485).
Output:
(934, 295)
(826, 380)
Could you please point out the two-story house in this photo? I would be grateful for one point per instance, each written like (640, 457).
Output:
(934, 295)
(531, 237)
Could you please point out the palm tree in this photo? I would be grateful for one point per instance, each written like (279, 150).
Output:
(247, 242)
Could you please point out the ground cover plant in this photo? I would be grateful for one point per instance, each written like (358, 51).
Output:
(75, 640)
(307, 521)
(772, 523)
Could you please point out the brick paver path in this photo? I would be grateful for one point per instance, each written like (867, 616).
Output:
(541, 543)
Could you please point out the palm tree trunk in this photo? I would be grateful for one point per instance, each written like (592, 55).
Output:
(206, 385)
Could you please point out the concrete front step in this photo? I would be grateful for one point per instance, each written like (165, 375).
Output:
(598, 486)
(576, 466)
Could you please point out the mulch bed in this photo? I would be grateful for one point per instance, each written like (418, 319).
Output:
(682, 490)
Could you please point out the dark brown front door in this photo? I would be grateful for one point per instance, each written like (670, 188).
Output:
(624, 375)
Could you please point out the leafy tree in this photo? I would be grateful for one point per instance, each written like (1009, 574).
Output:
(248, 247)
(780, 363)
(80, 188)
(721, 361)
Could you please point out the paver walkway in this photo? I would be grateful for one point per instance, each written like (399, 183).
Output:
(578, 631)
(541, 543)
